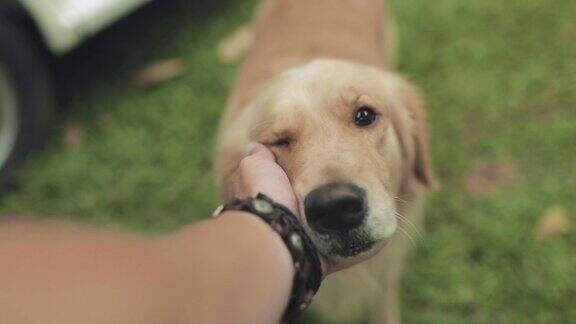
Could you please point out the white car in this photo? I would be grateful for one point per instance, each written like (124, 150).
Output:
(27, 28)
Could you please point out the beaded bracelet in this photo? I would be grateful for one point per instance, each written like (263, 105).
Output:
(307, 268)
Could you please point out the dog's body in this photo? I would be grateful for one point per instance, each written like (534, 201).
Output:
(292, 33)
(279, 87)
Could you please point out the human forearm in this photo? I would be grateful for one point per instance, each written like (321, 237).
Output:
(58, 273)
(230, 269)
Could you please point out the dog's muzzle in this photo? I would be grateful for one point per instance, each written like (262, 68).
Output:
(337, 215)
(336, 207)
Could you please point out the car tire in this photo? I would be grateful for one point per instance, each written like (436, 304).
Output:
(26, 98)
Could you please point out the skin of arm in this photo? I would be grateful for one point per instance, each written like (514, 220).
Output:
(233, 269)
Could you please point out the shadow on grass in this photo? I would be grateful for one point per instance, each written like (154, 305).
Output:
(115, 53)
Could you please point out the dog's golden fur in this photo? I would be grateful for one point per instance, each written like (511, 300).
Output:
(312, 64)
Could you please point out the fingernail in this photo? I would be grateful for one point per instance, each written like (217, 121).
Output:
(249, 148)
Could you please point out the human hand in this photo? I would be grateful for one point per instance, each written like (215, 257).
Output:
(258, 172)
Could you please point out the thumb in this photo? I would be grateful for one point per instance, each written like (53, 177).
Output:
(258, 150)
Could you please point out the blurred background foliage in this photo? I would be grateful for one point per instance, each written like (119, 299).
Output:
(499, 78)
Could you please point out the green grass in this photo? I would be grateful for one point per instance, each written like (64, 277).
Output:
(500, 83)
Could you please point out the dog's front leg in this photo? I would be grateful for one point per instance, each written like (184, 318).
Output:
(389, 264)
(387, 307)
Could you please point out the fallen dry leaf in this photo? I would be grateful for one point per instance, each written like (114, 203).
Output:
(73, 136)
(104, 120)
(159, 71)
(487, 176)
(553, 222)
(233, 47)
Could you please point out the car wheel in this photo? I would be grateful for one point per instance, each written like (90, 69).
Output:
(26, 99)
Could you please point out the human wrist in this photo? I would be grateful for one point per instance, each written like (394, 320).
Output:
(305, 258)
(237, 261)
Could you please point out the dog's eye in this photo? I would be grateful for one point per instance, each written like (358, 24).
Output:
(364, 116)
(284, 141)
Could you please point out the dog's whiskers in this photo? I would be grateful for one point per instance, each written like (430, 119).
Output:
(407, 234)
(400, 200)
(410, 227)
(408, 222)
(414, 233)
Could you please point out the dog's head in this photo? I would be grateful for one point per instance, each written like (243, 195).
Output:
(349, 137)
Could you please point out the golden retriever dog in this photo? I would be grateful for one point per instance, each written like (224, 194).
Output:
(318, 90)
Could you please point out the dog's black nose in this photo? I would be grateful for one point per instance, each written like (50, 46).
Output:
(335, 207)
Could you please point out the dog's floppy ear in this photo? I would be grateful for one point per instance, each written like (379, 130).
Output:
(418, 136)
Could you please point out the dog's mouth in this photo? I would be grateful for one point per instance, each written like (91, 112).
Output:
(353, 248)
(344, 244)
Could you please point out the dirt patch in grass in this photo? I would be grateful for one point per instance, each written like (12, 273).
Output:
(488, 176)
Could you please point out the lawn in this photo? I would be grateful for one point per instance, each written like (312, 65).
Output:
(499, 79)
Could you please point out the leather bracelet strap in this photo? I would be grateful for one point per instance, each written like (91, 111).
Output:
(307, 268)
